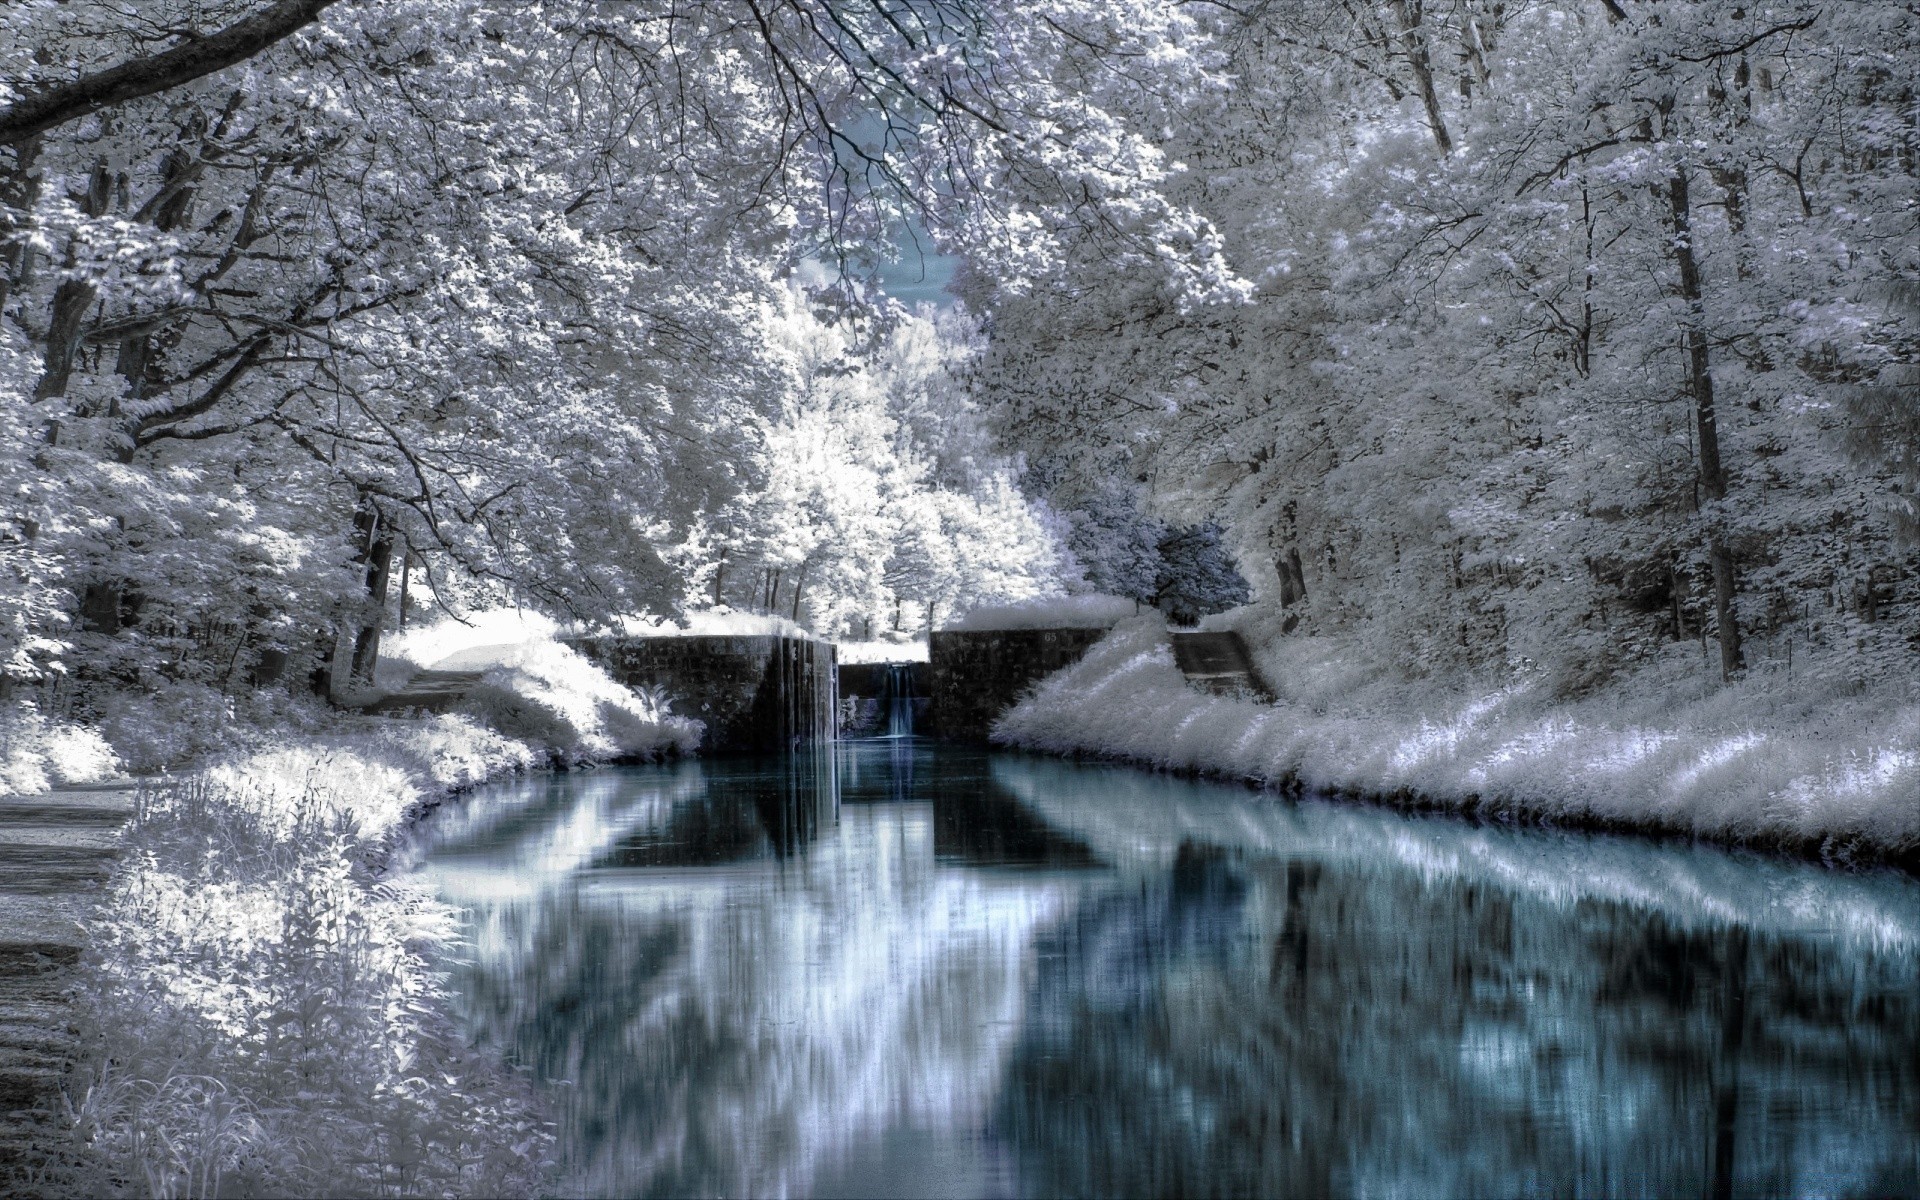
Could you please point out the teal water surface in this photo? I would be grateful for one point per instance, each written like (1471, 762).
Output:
(904, 969)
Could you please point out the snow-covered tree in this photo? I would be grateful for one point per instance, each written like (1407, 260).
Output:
(876, 500)
(1564, 316)
(305, 290)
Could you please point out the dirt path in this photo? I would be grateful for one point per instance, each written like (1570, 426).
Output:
(55, 851)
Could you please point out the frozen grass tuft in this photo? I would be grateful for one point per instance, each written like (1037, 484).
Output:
(1754, 762)
(265, 1013)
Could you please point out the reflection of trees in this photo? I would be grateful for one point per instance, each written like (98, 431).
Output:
(1382, 1031)
(1255, 998)
(736, 1029)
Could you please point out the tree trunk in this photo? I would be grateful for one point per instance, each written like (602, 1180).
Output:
(1413, 43)
(1713, 478)
(135, 362)
(1293, 580)
(379, 561)
(406, 579)
(373, 538)
(70, 303)
(19, 193)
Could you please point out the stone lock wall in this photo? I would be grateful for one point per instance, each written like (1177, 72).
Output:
(755, 693)
(978, 674)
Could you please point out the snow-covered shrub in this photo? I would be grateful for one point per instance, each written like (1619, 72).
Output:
(265, 1018)
(169, 727)
(550, 694)
(1053, 612)
(375, 771)
(36, 754)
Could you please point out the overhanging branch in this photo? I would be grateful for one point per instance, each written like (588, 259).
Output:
(43, 110)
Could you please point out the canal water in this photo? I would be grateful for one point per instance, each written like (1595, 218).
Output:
(902, 969)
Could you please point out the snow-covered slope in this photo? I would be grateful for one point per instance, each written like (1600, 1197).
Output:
(1740, 763)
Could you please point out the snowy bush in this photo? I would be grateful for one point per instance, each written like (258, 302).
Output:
(36, 754)
(169, 727)
(266, 1018)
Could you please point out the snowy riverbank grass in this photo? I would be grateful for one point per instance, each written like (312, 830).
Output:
(1758, 761)
(266, 1012)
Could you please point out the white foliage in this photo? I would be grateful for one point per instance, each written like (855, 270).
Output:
(1735, 763)
(36, 754)
(1055, 612)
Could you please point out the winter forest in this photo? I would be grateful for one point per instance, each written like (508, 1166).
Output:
(1532, 385)
(1556, 338)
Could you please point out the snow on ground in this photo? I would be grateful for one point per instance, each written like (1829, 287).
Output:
(914, 650)
(1053, 612)
(1750, 761)
(447, 644)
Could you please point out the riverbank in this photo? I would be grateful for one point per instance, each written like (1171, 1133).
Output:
(1806, 771)
(263, 1006)
(262, 1011)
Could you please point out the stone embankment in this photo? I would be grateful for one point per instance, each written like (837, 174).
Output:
(56, 851)
(756, 693)
(428, 691)
(977, 674)
(1219, 663)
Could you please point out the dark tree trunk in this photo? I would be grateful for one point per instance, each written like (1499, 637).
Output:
(1413, 43)
(357, 647)
(70, 303)
(378, 558)
(19, 192)
(406, 579)
(100, 608)
(1713, 477)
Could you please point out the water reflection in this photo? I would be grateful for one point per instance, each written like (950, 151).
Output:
(906, 970)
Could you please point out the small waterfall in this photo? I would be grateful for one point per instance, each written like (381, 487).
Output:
(899, 700)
